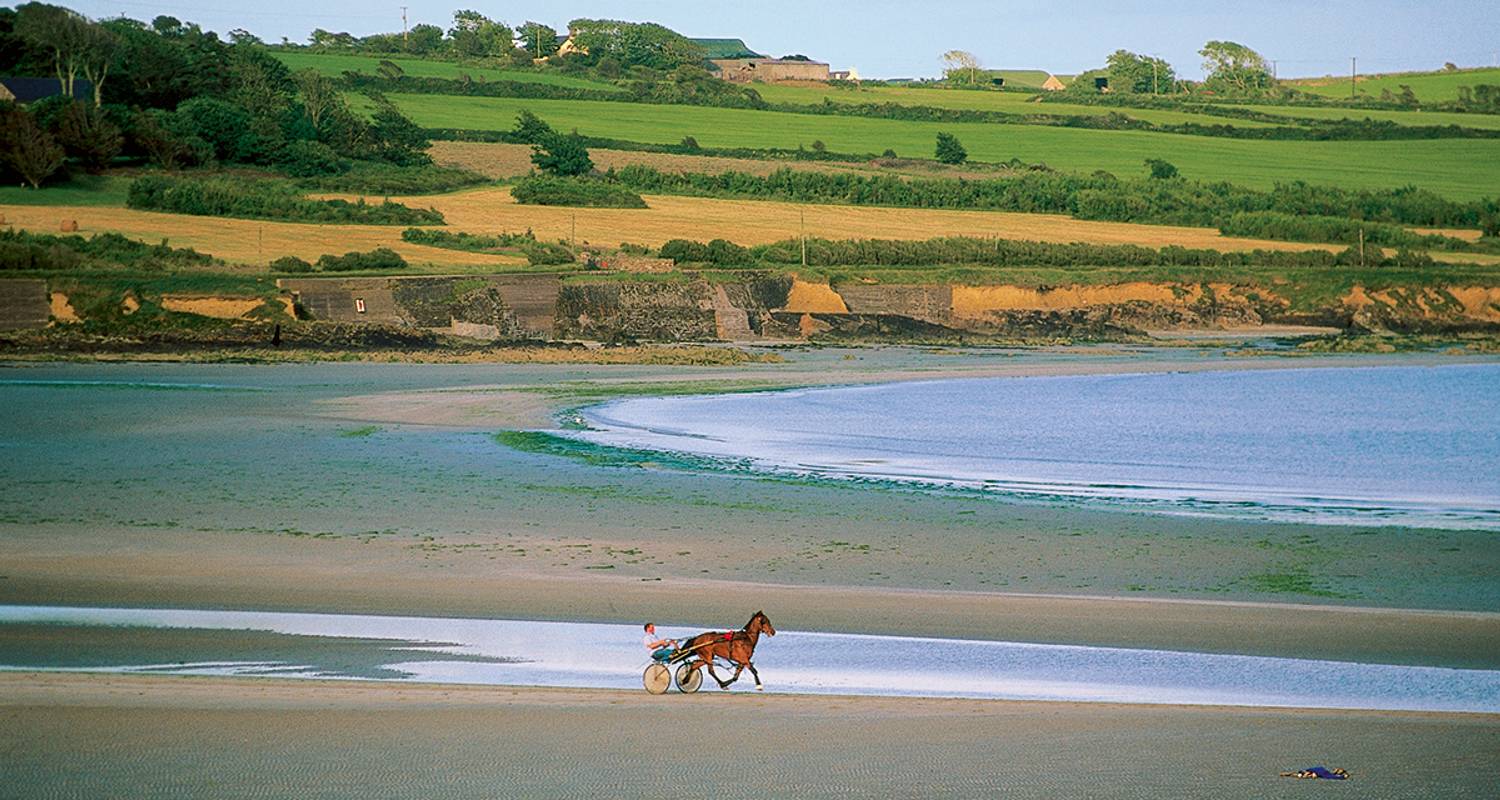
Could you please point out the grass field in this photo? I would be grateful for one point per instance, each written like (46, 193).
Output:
(1484, 121)
(1430, 87)
(84, 190)
(337, 63)
(972, 100)
(1458, 168)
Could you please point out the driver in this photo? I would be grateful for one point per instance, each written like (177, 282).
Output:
(661, 649)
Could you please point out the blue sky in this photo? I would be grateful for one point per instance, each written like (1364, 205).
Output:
(903, 38)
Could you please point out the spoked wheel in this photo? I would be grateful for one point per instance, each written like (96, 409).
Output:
(658, 679)
(689, 679)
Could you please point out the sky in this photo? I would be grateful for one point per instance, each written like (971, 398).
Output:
(905, 38)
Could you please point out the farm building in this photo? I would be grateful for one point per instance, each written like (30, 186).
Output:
(1052, 84)
(769, 70)
(26, 90)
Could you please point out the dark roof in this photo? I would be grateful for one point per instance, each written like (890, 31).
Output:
(725, 48)
(28, 89)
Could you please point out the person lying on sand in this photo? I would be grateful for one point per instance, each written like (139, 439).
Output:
(1335, 774)
(661, 649)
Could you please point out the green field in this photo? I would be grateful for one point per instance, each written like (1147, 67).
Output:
(82, 190)
(1458, 168)
(975, 100)
(1484, 121)
(1430, 87)
(338, 63)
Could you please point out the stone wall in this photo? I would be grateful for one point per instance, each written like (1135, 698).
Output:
(24, 304)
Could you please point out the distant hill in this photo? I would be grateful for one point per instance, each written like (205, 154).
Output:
(1431, 87)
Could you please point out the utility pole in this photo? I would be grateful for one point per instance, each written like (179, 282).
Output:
(1353, 75)
(403, 27)
(1361, 247)
(802, 233)
(1273, 70)
(1154, 62)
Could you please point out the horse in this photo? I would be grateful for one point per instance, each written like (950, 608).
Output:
(736, 647)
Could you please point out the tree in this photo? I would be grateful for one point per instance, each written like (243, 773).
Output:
(396, 138)
(562, 155)
(320, 96)
(961, 64)
(1234, 67)
(424, 39)
(949, 150)
(1133, 72)
(59, 31)
(86, 134)
(26, 148)
(538, 40)
(224, 125)
(474, 34)
(531, 129)
(634, 44)
(1161, 170)
(155, 132)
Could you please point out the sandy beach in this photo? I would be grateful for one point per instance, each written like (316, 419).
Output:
(380, 489)
(135, 736)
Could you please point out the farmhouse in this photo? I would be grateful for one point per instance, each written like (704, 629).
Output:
(26, 90)
(769, 70)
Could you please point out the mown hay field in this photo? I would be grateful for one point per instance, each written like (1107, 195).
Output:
(492, 210)
(339, 63)
(1457, 168)
(1429, 87)
(242, 241)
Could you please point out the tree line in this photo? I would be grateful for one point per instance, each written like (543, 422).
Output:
(1100, 196)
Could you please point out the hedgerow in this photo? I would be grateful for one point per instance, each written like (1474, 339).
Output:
(227, 197)
(544, 190)
(24, 250)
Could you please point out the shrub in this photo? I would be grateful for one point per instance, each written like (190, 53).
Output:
(562, 155)
(472, 242)
(949, 150)
(380, 258)
(373, 177)
(24, 250)
(684, 251)
(545, 190)
(1339, 230)
(889, 153)
(290, 264)
(226, 197)
(1161, 170)
(307, 159)
(548, 253)
(689, 143)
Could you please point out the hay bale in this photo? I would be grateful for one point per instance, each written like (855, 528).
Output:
(69, 226)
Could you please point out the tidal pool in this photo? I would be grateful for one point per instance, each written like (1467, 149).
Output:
(562, 654)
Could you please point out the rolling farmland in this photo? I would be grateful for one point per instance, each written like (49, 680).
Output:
(1429, 87)
(337, 63)
(1459, 168)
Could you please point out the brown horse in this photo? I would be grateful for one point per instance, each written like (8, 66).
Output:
(735, 647)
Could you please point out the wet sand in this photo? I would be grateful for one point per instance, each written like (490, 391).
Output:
(139, 736)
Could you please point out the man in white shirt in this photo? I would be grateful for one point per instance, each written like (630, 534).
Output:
(660, 648)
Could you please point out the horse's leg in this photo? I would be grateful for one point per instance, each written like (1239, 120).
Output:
(709, 662)
(738, 668)
(756, 675)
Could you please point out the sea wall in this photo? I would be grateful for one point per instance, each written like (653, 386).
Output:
(769, 306)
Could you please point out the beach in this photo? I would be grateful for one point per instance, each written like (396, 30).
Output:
(381, 489)
(152, 736)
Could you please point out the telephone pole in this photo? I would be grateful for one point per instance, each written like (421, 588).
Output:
(1353, 76)
(802, 233)
(403, 27)
(1273, 70)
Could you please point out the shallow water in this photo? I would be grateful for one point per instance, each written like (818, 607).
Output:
(1405, 445)
(515, 652)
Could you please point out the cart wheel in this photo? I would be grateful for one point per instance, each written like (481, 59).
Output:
(658, 679)
(689, 679)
